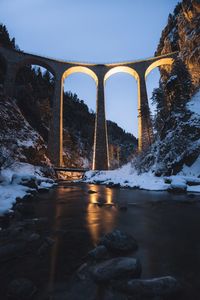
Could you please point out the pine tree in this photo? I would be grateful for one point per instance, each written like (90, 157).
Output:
(178, 88)
(158, 98)
(5, 40)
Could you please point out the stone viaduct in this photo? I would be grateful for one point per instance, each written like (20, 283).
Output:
(100, 73)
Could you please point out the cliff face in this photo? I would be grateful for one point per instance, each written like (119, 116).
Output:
(19, 141)
(182, 34)
(177, 138)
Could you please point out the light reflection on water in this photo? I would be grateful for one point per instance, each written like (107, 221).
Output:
(166, 231)
(55, 248)
(100, 207)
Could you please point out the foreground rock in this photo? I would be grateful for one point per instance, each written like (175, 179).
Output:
(161, 286)
(178, 185)
(99, 253)
(26, 180)
(11, 250)
(117, 268)
(21, 289)
(119, 242)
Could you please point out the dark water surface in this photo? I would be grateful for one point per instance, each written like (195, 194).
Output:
(167, 228)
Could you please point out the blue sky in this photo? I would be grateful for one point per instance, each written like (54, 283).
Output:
(93, 31)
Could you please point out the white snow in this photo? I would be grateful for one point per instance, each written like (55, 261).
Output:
(193, 170)
(194, 103)
(10, 187)
(178, 182)
(127, 176)
(8, 195)
(26, 143)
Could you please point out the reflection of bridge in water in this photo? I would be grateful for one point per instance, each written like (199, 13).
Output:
(100, 73)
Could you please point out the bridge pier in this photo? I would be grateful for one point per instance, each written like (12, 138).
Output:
(100, 154)
(55, 143)
(145, 131)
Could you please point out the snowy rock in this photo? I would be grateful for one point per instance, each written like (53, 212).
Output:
(98, 253)
(119, 242)
(117, 268)
(27, 180)
(161, 286)
(178, 185)
(22, 289)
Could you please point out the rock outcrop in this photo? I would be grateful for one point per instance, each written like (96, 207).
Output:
(19, 141)
(182, 33)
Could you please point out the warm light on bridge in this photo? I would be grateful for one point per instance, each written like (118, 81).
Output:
(80, 69)
(121, 69)
(158, 63)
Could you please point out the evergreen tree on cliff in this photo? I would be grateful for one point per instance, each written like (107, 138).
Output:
(171, 98)
(178, 88)
(159, 99)
(5, 39)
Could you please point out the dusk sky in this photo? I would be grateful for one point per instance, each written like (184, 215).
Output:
(93, 31)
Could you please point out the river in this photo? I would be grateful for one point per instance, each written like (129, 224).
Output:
(166, 227)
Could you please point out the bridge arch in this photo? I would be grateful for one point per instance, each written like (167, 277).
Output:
(35, 61)
(158, 63)
(81, 69)
(121, 69)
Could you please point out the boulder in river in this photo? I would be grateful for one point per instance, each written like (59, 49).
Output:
(99, 253)
(178, 185)
(142, 288)
(116, 268)
(11, 250)
(119, 242)
(21, 289)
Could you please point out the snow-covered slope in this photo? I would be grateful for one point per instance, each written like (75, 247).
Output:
(163, 155)
(20, 180)
(179, 147)
(23, 160)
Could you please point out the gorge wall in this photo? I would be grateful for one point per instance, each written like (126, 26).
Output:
(182, 34)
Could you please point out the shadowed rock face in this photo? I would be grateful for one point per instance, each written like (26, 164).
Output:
(182, 33)
(19, 141)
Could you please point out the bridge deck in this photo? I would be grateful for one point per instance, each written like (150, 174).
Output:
(63, 169)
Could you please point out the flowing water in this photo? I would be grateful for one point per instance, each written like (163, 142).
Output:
(166, 227)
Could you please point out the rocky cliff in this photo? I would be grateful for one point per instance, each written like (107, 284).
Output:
(177, 119)
(182, 33)
(19, 141)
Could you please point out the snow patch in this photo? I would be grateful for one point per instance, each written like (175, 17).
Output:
(194, 103)
(127, 176)
(13, 183)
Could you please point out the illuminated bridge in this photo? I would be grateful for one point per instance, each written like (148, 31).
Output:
(100, 73)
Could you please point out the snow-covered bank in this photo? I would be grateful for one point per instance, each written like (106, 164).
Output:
(127, 176)
(19, 180)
